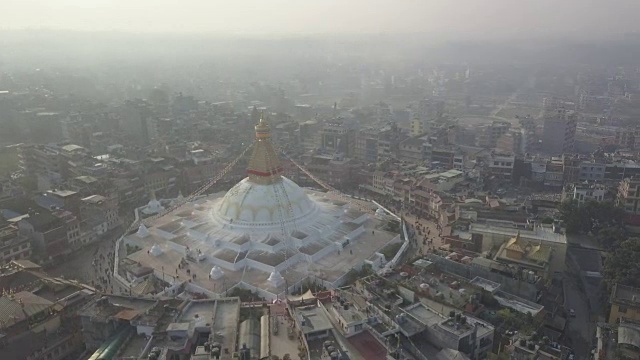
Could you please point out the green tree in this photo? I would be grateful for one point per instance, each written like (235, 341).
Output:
(592, 216)
(611, 237)
(623, 265)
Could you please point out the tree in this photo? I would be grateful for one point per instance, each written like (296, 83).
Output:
(623, 265)
(592, 216)
(611, 237)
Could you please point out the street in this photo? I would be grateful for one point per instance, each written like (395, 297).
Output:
(92, 265)
(579, 329)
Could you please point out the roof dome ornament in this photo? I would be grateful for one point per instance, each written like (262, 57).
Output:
(156, 250)
(216, 273)
(143, 231)
(275, 279)
(154, 206)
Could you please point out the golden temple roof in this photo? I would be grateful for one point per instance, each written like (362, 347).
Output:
(530, 250)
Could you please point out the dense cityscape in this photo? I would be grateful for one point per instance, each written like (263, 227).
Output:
(318, 197)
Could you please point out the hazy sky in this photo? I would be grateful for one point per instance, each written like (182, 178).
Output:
(450, 18)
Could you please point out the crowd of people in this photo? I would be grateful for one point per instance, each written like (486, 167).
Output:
(103, 261)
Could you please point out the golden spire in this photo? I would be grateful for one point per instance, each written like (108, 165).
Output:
(263, 131)
(264, 165)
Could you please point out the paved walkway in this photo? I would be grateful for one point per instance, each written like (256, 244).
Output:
(92, 265)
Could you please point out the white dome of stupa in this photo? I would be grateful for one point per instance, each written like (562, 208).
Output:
(265, 200)
(248, 203)
(216, 273)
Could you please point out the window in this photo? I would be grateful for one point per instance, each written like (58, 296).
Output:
(622, 309)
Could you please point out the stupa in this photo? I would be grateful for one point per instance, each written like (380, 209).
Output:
(264, 232)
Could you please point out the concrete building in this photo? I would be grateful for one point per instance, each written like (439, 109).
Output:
(13, 245)
(559, 131)
(628, 138)
(47, 232)
(137, 122)
(38, 318)
(367, 141)
(494, 235)
(412, 150)
(501, 166)
(441, 156)
(419, 127)
(528, 256)
(554, 173)
(440, 182)
(629, 195)
(591, 171)
(335, 170)
(207, 329)
(374, 145)
(513, 141)
(101, 211)
(625, 304)
(488, 135)
(337, 137)
(582, 193)
(467, 334)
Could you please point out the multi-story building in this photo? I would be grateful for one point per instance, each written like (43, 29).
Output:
(418, 127)
(39, 319)
(628, 138)
(625, 304)
(47, 232)
(367, 142)
(440, 182)
(102, 211)
(582, 193)
(375, 144)
(620, 171)
(511, 142)
(466, 334)
(554, 173)
(629, 195)
(41, 160)
(336, 137)
(412, 150)
(528, 128)
(571, 167)
(335, 170)
(13, 245)
(441, 156)
(452, 336)
(501, 166)
(160, 175)
(559, 131)
(137, 122)
(489, 134)
(591, 171)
